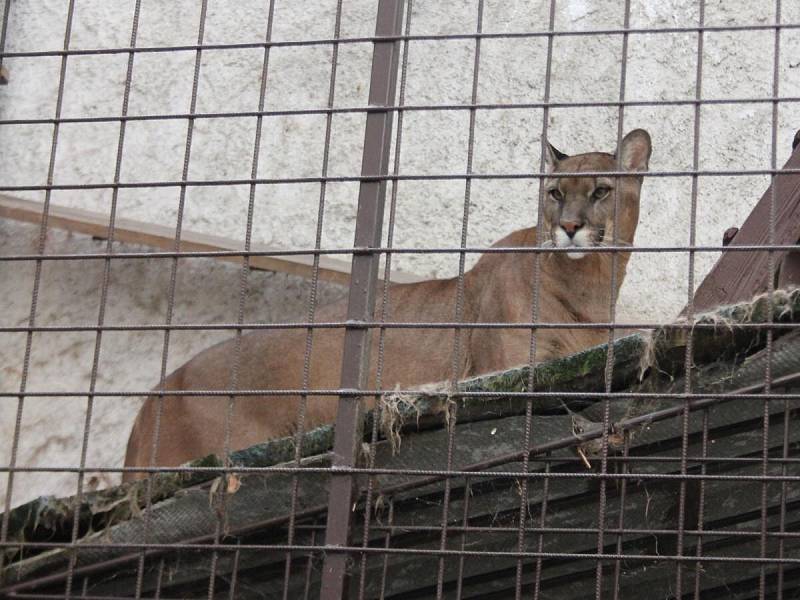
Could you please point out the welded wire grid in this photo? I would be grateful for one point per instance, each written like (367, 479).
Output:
(414, 530)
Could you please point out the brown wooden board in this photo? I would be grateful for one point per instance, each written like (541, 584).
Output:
(741, 275)
(160, 236)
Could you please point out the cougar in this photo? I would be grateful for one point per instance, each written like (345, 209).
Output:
(575, 287)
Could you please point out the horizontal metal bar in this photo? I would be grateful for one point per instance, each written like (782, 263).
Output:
(454, 528)
(543, 458)
(349, 392)
(404, 108)
(75, 595)
(336, 251)
(395, 530)
(151, 549)
(382, 550)
(390, 177)
(410, 38)
(406, 473)
(376, 393)
(619, 325)
(188, 470)
(668, 459)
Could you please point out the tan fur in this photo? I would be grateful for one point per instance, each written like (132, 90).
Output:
(498, 289)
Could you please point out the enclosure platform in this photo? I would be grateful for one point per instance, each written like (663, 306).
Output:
(221, 519)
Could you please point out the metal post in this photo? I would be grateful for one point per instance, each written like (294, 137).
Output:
(361, 303)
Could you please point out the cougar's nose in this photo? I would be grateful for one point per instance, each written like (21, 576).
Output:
(571, 228)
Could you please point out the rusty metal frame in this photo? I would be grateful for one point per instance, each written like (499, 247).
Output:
(361, 303)
(750, 259)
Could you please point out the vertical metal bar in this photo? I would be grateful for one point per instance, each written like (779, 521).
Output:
(537, 262)
(770, 293)
(103, 294)
(784, 490)
(387, 541)
(312, 302)
(534, 309)
(623, 490)
(361, 301)
(688, 357)
(234, 573)
(612, 310)
(384, 311)
(537, 582)
(464, 527)
(309, 563)
(187, 155)
(702, 506)
(159, 578)
(244, 287)
(37, 278)
(456, 366)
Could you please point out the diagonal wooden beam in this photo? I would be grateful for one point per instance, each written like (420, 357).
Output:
(160, 236)
(739, 276)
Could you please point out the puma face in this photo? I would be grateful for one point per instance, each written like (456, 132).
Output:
(579, 211)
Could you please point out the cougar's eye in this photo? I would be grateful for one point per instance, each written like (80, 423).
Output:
(600, 193)
(557, 195)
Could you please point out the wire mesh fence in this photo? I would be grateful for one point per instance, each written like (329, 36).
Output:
(534, 404)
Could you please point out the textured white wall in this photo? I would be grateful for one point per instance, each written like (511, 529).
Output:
(585, 68)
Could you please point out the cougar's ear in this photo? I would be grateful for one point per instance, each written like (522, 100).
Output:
(634, 152)
(551, 157)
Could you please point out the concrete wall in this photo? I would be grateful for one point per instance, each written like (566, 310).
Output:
(585, 68)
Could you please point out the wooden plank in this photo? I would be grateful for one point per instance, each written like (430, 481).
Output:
(739, 276)
(160, 236)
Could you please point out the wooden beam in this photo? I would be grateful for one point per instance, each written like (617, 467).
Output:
(739, 276)
(160, 236)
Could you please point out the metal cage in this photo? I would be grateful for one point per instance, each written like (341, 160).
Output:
(659, 464)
